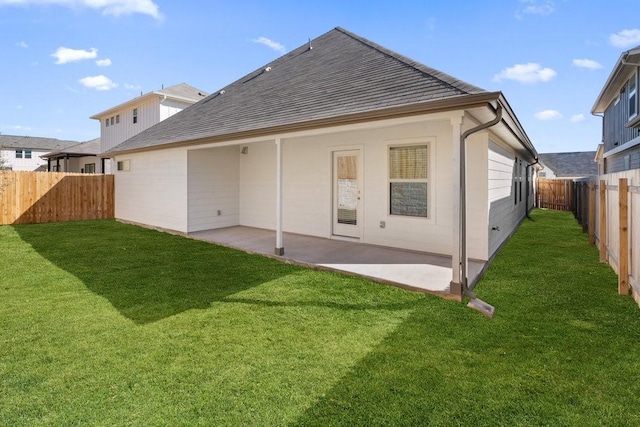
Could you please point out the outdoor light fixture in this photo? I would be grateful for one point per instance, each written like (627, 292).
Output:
(245, 150)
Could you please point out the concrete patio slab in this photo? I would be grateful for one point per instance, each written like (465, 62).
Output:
(418, 271)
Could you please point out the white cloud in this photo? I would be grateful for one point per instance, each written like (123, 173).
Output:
(587, 63)
(98, 82)
(18, 128)
(536, 7)
(108, 7)
(625, 38)
(132, 87)
(548, 115)
(526, 73)
(103, 62)
(22, 44)
(64, 55)
(270, 43)
(576, 118)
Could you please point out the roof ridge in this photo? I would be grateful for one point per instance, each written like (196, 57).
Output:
(408, 62)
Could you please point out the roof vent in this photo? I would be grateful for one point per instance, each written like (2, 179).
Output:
(267, 69)
(221, 92)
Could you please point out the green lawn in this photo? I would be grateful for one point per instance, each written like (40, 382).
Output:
(103, 323)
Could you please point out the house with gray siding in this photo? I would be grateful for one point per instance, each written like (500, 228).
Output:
(618, 106)
(339, 139)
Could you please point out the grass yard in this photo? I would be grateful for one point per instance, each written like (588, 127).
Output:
(103, 323)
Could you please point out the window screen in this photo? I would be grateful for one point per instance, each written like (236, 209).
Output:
(408, 180)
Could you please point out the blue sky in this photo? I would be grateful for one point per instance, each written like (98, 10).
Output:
(65, 60)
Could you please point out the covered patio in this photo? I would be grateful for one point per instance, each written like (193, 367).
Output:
(417, 271)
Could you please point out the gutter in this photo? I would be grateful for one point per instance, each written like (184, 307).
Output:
(448, 104)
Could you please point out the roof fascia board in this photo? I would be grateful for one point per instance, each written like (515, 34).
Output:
(147, 96)
(611, 86)
(444, 105)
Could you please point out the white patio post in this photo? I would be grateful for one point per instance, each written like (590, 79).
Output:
(279, 250)
(456, 284)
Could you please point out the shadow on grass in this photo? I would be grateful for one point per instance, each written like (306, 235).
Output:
(145, 274)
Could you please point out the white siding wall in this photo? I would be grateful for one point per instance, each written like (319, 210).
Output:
(170, 107)
(83, 161)
(214, 186)
(23, 164)
(477, 189)
(112, 135)
(307, 186)
(182, 189)
(258, 186)
(76, 164)
(154, 191)
(504, 211)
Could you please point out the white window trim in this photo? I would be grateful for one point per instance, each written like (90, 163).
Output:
(633, 94)
(430, 142)
(123, 166)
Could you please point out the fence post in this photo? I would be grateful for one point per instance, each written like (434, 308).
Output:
(623, 259)
(592, 213)
(602, 190)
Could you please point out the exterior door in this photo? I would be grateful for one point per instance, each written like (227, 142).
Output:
(347, 194)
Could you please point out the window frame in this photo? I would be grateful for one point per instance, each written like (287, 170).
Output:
(91, 166)
(19, 154)
(106, 122)
(428, 144)
(28, 154)
(117, 118)
(135, 115)
(632, 96)
(123, 165)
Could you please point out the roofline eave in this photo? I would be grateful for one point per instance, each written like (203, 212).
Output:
(441, 105)
(598, 107)
(149, 96)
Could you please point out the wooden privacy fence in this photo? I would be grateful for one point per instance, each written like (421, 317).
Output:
(608, 208)
(556, 194)
(36, 197)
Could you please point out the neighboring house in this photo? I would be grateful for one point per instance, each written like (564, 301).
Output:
(618, 105)
(125, 120)
(79, 158)
(24, 153)
(339, 138)
(574, 165)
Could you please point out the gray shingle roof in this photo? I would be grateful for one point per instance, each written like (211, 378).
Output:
(574, 164)
(34, 143)
(88, 148)
(342, 74)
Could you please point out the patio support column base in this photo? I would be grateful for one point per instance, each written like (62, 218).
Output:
(455, 290)
(279, 251)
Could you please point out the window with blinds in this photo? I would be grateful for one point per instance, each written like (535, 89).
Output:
(408, 180)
